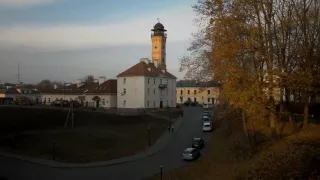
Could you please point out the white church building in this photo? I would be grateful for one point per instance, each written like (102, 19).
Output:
(148, 84)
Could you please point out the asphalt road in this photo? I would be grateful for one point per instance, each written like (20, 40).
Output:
(169, 157)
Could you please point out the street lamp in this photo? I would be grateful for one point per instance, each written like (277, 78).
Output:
(54, 150)
(161, 167)
(149, 136)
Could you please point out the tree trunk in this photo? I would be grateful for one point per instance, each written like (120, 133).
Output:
(245, 127)
(306, 110)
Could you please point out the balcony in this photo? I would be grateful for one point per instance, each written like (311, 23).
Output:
(162, 86)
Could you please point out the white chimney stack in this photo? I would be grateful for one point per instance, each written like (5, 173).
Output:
(102, 79)
(95, 80)
(79, 83)
(55, 86)
(155, 64)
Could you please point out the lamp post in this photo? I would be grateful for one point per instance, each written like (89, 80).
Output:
(54, 150)
(149, 136)
(161, 167)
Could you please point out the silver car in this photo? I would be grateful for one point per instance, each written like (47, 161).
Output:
(191, 154)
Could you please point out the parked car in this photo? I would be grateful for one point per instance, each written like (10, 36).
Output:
(205, 119)
(197, 143)
(205, 106)
(191, 154)
(207, 127)
(206, 113)
(76, 104)
(56, 103)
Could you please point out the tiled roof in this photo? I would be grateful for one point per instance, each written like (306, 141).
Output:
(21, 91)
(192, 83)
(109, 86)
(147, 69)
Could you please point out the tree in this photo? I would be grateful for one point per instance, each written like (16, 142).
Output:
(45, 85)
(89, 79)
(260, 50)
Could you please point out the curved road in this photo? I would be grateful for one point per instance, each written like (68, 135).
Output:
(169, 157)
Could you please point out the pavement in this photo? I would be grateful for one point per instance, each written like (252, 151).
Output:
(166, 152)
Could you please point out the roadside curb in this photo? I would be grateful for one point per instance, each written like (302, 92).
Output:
(159, 145)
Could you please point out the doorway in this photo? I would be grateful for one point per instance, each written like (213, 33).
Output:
(161, 104)
(97, 103)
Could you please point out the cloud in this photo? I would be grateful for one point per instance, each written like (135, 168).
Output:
(178, 22)
(24, 3)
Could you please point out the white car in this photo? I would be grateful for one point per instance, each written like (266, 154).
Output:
(207, 127)
(205, 106)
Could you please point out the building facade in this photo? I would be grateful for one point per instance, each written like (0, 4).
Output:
(200, 92)
(148, 84)
(25, 93)
(94, 94)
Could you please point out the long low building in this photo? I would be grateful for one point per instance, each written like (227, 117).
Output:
(100, 93)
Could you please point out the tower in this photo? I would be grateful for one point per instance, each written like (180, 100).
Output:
(158, 38)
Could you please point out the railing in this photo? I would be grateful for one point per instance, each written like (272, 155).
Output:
(162, 86)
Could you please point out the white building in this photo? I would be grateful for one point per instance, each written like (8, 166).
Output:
(101, 93)
(148, 84)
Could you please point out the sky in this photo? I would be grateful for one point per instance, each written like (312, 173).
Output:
(65, 40)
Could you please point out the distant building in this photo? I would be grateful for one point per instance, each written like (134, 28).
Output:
(101, 93)
(16, 93)
(148, 84)
(200, 92)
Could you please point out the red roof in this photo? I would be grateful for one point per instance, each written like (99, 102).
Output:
(147, 69)
(107, 87)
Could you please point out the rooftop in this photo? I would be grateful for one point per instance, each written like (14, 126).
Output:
(146, 68)
(194, 83)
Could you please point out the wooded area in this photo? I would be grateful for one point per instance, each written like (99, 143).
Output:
(265, 53)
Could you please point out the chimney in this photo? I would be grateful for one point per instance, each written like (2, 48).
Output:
(102, 79)
(79, 83)
(55, 86)
(96, 80)
(155, 64)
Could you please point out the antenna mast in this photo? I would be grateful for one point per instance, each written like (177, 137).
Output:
(19, 73)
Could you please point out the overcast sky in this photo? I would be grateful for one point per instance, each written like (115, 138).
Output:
(65, 40)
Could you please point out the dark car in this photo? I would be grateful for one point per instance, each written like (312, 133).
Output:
(191, 154)
(197, 143)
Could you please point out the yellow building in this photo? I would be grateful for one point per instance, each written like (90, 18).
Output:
(202, 93)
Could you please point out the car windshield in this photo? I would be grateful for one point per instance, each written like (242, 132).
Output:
(207, 125)
(195, 141)
(206, 119)
(187, 151)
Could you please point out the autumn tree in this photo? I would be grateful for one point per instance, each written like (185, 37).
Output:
(260, 50)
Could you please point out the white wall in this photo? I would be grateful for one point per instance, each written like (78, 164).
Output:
(107, 100)
(155, 95)
(144, 92)
(135, 91)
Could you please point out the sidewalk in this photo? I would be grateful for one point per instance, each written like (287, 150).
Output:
(159, 145)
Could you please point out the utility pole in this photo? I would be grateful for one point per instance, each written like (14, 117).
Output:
(18, 75)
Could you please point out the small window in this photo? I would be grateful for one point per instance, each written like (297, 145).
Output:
(195, 92)
(148, 80)
(124, 91)
(154, 80)
(181, 92)
(208, 100)
(167, 81)
(188, 92)
(167, 103)
(103, 102)
(162, 60)
(154, 103)
(154, 91)
(49, 100)
(148, 91)
(160, 81)
(148, 103)
(124, 103)
(208, 91)
(124, 80)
